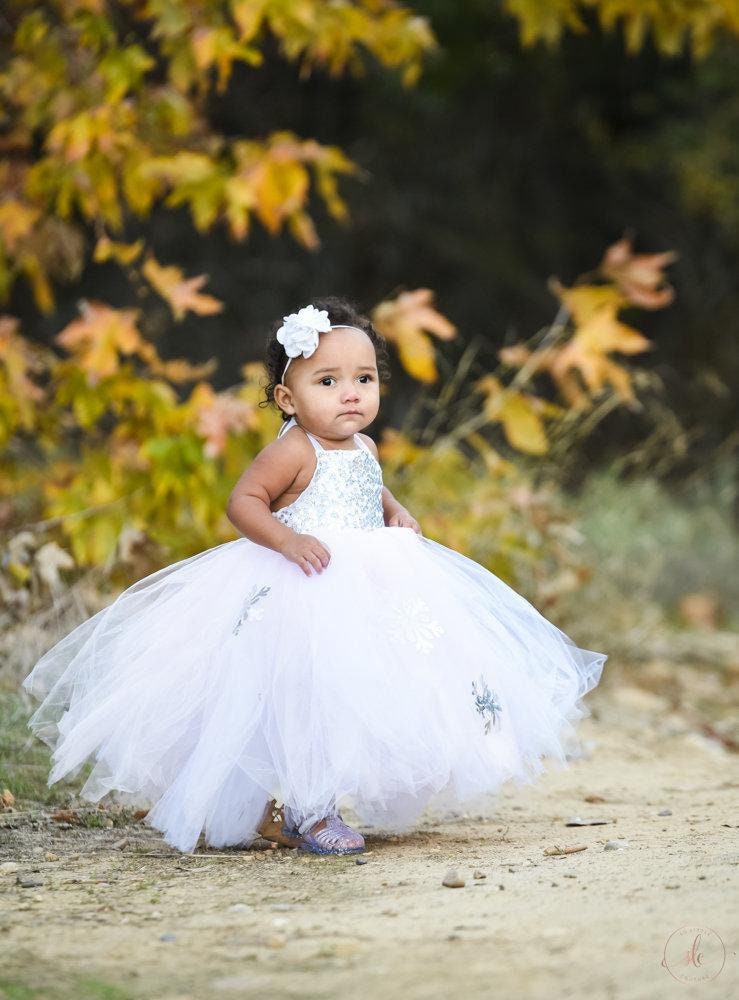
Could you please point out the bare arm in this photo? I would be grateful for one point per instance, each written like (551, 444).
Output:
(273, 470)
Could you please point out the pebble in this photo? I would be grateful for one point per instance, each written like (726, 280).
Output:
(615, 845)
(478, 874)
(361, 861)
(120, 844)
(275, 941)
(8, 868)
(665, 812)
(282, 907)
(50, 856)
(239, 908)
(29, 882)
(453, 880)
(167, 937)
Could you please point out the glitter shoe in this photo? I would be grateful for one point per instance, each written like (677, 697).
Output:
(334, 838)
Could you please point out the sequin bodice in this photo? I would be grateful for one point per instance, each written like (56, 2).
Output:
(345, 492)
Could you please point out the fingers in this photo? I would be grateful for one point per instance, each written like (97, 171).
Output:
(315, 559)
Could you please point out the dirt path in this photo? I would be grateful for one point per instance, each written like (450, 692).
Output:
(138, 921)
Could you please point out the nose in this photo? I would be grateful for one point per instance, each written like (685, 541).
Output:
(350, 394)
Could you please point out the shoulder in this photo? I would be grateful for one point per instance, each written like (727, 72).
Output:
(279, 463)
(292, 452)
(370, 444)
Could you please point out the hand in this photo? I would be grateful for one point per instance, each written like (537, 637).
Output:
(307, 552)
(402, 519)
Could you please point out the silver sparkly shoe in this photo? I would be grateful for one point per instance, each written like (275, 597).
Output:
(334, 838)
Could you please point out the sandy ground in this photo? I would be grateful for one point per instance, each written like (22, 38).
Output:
(137, 920)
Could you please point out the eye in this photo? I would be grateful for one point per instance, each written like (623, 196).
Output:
(367, 377)
(325, 379)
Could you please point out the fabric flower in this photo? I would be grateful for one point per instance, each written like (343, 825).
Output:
(299, 331)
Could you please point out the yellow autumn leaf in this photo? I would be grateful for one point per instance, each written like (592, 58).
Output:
(519, 414)
(16, 221)
(124, 253)
(603, 332)
(585, 301)
(522, 424)
(405, 321)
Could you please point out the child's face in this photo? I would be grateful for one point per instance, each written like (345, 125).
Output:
(335, 392)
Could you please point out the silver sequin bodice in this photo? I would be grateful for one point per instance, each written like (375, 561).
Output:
(345, 492)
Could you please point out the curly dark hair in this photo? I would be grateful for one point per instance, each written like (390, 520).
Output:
(339, 311)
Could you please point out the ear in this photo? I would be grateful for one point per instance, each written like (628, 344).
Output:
(284, 398)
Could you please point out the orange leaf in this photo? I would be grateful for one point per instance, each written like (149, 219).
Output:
(222, 415)
(99, 336)
(639, 276)
(179, 292)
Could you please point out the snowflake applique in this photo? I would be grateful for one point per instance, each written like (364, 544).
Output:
(487, 704)
(412, 621)
(251, 613)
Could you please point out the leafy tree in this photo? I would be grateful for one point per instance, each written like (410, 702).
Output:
(104, 117)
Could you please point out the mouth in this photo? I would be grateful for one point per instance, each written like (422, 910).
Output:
(350, 413)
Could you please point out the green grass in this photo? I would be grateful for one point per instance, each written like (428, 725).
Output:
(25, 759)
(80, 989)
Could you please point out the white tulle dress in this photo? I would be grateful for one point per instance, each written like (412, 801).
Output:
(403, 676)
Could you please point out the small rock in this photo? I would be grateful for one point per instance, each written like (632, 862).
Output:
(8, 868)
(120, 844)
(167, 937)
(576, 821)
(29, 882)
(361, 861)
(108, 824)
(282, 907)
(478, 874)
(615, 845)
(50, 856)
(280, 921)
(665, 812)
(240, 908)
(453, 880)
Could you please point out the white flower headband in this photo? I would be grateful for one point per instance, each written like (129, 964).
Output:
(299, 332)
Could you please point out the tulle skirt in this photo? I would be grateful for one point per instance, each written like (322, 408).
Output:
(402, 676)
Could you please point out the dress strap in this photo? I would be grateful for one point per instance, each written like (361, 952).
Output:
(292, 422)
(361, 444)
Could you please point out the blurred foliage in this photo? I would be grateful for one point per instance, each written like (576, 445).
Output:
(664, 582)
(673, 23)
(106, 118)
(107, 466)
